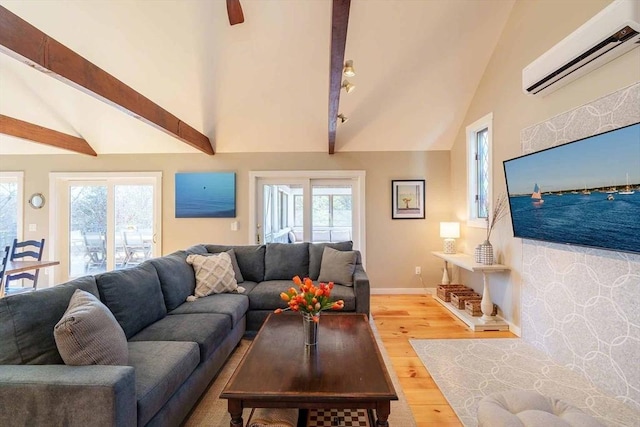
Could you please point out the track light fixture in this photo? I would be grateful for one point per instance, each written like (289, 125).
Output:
(342, 118)
(348, 70)
(348, 87)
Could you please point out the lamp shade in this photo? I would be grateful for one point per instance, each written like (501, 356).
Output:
(449, 230)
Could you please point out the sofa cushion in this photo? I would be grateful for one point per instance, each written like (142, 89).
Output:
(208, 330)
(236, 267)
(27, 321)
(88, 334)
(337, 266)
(315, 255)
(197, 249)
(345, 293)
(177, 280)
(161, 368)
(250, 259)
(266, 295)
(233, 305)
(284, 261)
(133, 295)
(214, 274)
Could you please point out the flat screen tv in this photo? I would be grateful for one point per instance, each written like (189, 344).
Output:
(585, 192)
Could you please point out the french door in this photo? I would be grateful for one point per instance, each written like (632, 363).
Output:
(106, 222)
(321, 206)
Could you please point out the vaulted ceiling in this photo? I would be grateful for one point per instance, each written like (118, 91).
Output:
(262, 85)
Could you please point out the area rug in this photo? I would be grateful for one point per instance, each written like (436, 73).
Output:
(211, 411)
(466, 370)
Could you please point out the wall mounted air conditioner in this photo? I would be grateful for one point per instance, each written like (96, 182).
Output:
(609, 34)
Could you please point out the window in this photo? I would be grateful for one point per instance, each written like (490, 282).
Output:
(479, 137)
(11, 202)
(331, 206)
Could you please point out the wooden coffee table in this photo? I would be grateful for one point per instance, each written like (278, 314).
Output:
(345, 370)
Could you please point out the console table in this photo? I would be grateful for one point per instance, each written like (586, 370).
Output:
(487, 322)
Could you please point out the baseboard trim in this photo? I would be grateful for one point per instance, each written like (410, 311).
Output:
(515, 329)
(403, 291)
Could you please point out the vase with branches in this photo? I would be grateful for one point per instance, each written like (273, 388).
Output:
(499, 211)
(493, 217)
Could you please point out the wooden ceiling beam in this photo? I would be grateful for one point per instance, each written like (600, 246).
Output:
(23, 41)
(29, 131)
(339, 23)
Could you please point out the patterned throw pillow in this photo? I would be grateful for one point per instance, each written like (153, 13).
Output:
(214, 274)
(88, 333)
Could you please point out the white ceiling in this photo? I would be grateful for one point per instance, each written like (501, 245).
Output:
(260, 86)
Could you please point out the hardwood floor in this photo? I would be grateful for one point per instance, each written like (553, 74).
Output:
(403, 317)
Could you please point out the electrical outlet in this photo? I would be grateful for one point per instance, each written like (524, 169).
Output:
(418, 270)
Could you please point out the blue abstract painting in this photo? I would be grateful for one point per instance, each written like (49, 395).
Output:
(206, 195)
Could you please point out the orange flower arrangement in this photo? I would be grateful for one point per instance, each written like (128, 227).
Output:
(310, 299)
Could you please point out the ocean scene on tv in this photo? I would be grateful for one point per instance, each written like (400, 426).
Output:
(584, 193)
(206, 195)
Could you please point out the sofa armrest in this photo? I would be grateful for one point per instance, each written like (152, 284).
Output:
(67, 395)
(362, 290)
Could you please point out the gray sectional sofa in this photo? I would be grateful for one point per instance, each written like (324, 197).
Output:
(175, 347)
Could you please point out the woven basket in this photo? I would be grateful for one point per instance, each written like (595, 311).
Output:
(458, 298)
(472, 306)
(444, 291)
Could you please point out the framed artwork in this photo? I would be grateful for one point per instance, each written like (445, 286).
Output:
(206, 195)
(407, 199)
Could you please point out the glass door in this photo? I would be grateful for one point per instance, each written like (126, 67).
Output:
(307, 206)
(278, 221)
(306, 211)
(106, 224)
(332, 213)
(132, 234)
(87, 228)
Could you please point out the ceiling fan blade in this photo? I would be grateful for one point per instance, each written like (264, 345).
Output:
(234, 10)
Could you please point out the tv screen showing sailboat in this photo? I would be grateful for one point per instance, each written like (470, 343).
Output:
(585, 192)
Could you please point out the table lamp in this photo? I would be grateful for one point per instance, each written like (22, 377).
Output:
(449, 231)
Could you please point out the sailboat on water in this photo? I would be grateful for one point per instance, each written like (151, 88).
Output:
(627, 189)
(536, 196)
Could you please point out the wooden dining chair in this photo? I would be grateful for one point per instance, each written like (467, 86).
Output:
(4, 257)
(22, 251)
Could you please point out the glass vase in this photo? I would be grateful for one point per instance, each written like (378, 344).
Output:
(310, 328)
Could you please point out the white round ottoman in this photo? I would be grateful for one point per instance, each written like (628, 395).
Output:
(521, 408)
